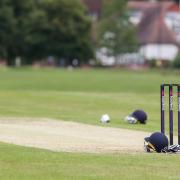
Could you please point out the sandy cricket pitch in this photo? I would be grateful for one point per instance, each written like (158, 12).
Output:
(64, 136)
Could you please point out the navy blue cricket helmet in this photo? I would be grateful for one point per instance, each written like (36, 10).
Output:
(140, 115)
(157, 142)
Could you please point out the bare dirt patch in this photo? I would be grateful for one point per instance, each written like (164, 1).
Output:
(69, 136)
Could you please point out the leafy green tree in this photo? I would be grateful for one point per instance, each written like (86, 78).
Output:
(35, 29)
(68, 29)
(23, 12)
(7, 24)
(176, 62)
(15, 19)
(116, 33)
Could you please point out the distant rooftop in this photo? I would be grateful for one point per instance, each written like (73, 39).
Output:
(143, 5)
(94, 7)
(152, 28)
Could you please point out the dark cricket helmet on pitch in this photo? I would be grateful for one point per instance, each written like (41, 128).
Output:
(140, 115)
(156, 142)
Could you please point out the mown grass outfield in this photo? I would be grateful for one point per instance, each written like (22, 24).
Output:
(83, 96)
(27, 163)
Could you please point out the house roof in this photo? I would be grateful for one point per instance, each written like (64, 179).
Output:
(143, 5)
(94, 6)
(152, 28)
(174, 8)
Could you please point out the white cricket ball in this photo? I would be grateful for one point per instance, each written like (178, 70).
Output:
(105, 118)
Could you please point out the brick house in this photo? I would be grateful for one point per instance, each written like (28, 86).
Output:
(158, 26)
(157, 34)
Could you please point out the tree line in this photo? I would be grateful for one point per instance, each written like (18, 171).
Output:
(33, 30)
(36, 29)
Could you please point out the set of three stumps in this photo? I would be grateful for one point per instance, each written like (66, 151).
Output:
(162, 95)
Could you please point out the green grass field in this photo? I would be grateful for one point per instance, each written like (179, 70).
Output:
(27, 163)
(83, 96)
